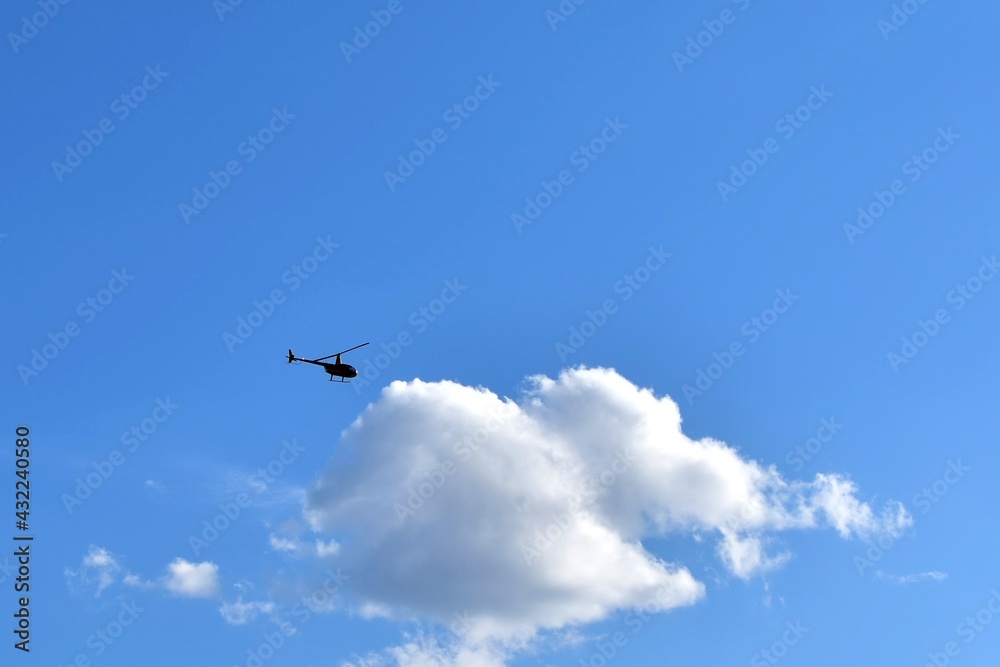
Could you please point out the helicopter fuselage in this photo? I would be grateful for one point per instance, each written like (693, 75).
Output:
(341, 370)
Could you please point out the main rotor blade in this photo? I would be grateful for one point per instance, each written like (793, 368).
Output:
(344, 352)
(353, 348)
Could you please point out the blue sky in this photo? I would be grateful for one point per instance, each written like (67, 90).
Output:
(781, 218)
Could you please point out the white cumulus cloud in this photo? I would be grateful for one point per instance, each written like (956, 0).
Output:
(448, 502)
(195, 580)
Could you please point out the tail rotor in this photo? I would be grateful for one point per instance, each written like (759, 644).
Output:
(291, 357)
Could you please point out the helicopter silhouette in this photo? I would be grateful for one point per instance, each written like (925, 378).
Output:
(335, 369)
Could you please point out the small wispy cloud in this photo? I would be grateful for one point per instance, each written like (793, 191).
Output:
(325, 549)
(285, 544)
(98, 570)
(241, 613)
(290, 542)
(135, 581)
(154, 486)
(932, 575)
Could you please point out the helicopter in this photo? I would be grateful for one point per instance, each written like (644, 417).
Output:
(335, 369)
